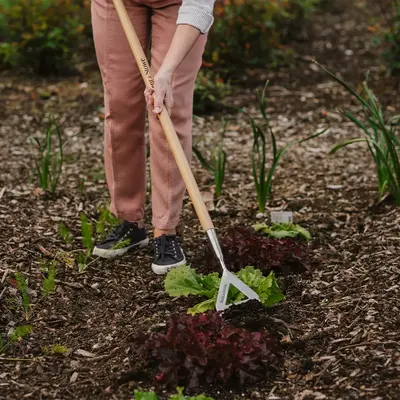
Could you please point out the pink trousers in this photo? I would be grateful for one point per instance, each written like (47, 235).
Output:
(125, 109)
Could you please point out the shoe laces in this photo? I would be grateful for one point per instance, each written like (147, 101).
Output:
(123, 230)
(166, 245)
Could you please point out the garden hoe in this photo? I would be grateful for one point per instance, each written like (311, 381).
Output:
(228, 278)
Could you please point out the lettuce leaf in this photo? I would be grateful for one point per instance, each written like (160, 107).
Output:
(280, 231)
(266, 287)
(145, 395)
(180, 396)
(183, 281)
(203, 306)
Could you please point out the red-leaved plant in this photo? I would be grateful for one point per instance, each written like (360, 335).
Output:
(243, 246)
(203, 349)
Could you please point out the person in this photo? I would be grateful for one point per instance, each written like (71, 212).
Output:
(177, 31)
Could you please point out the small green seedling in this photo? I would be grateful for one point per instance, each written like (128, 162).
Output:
(54, 349)
(48, 160)
(20, 332)
(22, 286)
(217, 163)
(65, 233)
(263, 176)
(48, 283)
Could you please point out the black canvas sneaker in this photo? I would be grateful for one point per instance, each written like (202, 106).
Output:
(167, 254)
(125, 237)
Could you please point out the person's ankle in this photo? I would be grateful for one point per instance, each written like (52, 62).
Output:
(160, 232)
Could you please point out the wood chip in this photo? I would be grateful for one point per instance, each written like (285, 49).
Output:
(84, 353)
(74, 377)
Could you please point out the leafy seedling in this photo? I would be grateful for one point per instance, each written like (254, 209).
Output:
(54, 349)
(184, 281)
(262, 174)
(22, 286)
(64, 233)
(279, 231)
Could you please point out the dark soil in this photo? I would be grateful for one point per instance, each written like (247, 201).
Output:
(253, 316)
(339, 326)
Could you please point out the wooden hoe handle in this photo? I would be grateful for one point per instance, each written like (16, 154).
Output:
(165, 120)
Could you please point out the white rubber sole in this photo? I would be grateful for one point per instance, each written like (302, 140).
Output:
(113, 253)
(163, 269)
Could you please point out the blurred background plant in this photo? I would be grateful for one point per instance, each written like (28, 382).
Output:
(48, 37)
(391, 37)
(385, 29)
(42, 36)
(253, 33)
(210, 90)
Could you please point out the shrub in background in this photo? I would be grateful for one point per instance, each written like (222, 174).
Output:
(41, 35)
(391, 38)
(209, 90)
(248, 33)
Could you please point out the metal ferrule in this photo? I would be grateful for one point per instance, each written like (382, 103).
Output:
(212, 236)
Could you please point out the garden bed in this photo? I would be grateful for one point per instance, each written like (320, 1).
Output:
(339, 325)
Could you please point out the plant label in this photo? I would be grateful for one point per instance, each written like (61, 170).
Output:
(281, 217)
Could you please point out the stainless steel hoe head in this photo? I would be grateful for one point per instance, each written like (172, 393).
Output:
(228, 278)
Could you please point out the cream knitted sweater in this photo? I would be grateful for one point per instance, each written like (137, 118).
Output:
(198, 13)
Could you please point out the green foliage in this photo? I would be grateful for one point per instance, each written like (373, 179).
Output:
(380, 135)
(209, 90)
(248, 33)
(41, 35)
(48, 283)
(22, 286)
(64, 232)
(54, 349)
(20, 332)
(178, 396)
(2, 344)
(389, 36)
(184, 281)
(87, 240)
(216, 164)
(263, 176)
(145, 395)
(48, 159)
(87, 234)
(105, 220)
(280, 231)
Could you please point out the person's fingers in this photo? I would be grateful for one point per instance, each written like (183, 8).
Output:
(148, 94)
(160, 96)
(169, 102)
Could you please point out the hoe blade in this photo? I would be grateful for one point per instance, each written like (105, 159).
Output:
(227, 280)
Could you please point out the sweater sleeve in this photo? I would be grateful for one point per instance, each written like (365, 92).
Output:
(198, 13)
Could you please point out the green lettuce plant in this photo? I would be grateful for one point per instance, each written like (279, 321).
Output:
(178, 396)
(184, 281)
(279, 231)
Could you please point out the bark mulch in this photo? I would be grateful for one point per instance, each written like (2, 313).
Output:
(339, 324)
